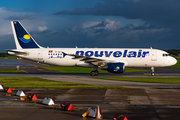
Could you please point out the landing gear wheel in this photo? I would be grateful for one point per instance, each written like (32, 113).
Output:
(152, 74)
(152, 71)
(94, 73)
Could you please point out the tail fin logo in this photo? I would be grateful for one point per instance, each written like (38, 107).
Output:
(22, 38)
(25, 39)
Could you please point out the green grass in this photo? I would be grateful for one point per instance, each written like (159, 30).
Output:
(11, 71)
(34, 82)
(9, 57)
(135, 70)
(83, 70)
(177, 65)
(177, 57)
(71, 69)
(151, 80)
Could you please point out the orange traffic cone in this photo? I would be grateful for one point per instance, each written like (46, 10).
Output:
(69, 107)
(33, 97)
(98, 115)
(9, 90)
(123, 118)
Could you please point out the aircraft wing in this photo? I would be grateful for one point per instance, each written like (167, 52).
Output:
(92, 60)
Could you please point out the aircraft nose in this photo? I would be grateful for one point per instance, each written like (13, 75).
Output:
(173, 61)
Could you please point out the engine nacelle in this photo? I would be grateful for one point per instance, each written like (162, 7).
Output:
(116, 67)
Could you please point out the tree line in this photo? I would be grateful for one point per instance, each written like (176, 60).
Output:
(3, 54)
(173, 52)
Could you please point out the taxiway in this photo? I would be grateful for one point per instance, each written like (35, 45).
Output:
(150, 101)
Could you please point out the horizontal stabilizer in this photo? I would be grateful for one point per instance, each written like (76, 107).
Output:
(15, 52)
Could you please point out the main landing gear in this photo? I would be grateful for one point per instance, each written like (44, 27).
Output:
(95, 71)
(152, 71)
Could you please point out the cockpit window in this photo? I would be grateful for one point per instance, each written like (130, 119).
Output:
(165, 55)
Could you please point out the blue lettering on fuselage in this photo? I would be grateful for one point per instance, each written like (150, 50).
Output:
(97, 54)
(89, 53)
(132, 54)
(108, 54)
(116, 54)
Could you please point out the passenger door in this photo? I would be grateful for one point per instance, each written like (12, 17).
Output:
(40, 55)
(153, 55)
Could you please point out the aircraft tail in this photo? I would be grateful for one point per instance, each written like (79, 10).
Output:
(22, 38)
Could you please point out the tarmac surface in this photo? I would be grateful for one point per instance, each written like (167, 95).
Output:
(145, 101)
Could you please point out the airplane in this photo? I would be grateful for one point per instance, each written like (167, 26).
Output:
(113, 60)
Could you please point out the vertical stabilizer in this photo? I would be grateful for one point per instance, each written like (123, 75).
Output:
(22, 38)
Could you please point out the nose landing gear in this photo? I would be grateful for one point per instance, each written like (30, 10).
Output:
(152, 71)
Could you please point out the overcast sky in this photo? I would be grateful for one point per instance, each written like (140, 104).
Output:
(94, 23)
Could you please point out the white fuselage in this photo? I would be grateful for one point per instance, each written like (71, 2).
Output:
(130, 57)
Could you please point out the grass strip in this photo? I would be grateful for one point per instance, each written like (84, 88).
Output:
(9, 57)
(151, 80)
(11, 71)
(71, 69)
(34, 82)
(83, 70)
(135, 70)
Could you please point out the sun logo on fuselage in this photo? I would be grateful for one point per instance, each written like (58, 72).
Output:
(25, 39)
(117, 68)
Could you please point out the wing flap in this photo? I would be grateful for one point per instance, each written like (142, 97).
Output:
(92, 60)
